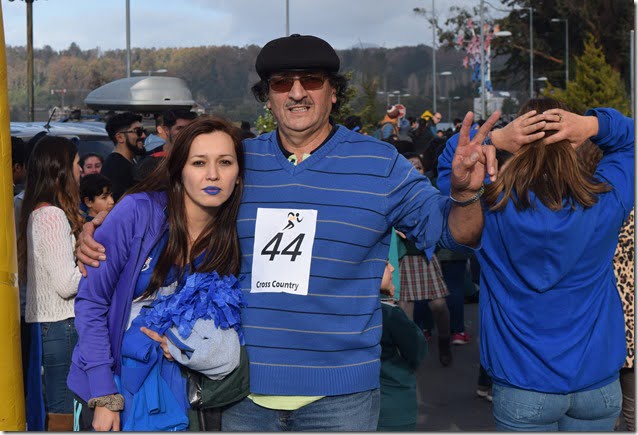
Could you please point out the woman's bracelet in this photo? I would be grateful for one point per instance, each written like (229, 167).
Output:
(112, 402)
(472, 200)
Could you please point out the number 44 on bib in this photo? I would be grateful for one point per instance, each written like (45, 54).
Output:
(282, 252)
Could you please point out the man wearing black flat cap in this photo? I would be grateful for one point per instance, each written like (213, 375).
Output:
(319, 206)
(314, 350)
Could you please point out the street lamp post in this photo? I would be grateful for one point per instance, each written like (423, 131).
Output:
(287, 19)
(531, 52)
(128, 38)
(449, 106)
(388, 94)
(433, 58)
(30, 85)
(482, 58)
(432, 20)
(566, 20)
(444, 74)
(540, 79)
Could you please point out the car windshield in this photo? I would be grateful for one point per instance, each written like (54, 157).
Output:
(89, 137)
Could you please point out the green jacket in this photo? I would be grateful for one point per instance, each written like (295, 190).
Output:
(403, 347)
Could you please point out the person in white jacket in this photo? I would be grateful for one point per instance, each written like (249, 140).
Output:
(50, 221)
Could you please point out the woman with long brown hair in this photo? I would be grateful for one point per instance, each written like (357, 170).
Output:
(50, 221)
(552, 327)
(168, 238)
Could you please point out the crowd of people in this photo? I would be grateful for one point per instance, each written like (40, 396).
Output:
(201, 278)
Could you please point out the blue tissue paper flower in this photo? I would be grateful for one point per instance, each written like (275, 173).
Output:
(203, 296)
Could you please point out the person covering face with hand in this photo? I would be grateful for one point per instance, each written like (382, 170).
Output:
(552, 322)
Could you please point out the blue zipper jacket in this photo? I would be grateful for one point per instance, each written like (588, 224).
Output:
(103, 303)
(551, 317)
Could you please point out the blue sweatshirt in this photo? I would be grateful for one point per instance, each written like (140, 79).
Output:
(327, 342)
(103, 302)
(551, 318)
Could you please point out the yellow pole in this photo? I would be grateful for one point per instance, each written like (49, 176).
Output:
(12, 415)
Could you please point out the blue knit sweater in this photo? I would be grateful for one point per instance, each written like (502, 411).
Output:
(327, 343)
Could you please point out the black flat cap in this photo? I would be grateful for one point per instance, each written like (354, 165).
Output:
(296, 53)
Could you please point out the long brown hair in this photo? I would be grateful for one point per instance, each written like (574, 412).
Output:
(49, 180)
(553, 172)
(219, 239)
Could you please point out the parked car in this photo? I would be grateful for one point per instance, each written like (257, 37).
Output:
(90, 137)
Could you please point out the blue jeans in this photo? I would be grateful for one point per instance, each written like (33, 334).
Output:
(58, 341)
(454, 276)
(522, 410)
(349, 412)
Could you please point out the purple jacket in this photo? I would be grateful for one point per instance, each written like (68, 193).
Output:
(103, 302)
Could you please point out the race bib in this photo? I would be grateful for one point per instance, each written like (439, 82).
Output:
(282, 252)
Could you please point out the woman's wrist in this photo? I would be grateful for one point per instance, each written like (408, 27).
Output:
(112, 402)
(495, 137)
(592, 126)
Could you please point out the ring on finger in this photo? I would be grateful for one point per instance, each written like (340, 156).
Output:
(560, 117)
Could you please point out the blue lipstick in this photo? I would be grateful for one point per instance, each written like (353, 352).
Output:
(212, 190)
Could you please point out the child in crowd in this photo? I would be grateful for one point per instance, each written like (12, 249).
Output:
(403, 347)
(96, 194)
(422, 279)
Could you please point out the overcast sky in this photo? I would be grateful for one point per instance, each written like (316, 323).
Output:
(187, 23)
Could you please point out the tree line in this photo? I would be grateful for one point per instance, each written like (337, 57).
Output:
(220, 77)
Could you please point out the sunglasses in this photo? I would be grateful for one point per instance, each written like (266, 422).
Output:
(310, 82)
(139, 131)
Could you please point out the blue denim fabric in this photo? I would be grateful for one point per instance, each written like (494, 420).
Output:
(454, 277)
(522, 410)
(58, 341)
(349, 412)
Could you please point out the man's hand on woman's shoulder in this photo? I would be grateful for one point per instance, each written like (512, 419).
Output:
(87, 250)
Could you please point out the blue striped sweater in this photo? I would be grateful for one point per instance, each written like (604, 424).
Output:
(327, 343)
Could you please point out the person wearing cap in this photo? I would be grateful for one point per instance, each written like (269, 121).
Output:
(313, 319)
(389, 125)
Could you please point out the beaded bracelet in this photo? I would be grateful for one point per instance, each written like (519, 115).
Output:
(112, 402)
(472, 200)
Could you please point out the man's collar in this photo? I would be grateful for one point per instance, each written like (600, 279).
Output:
(287, 153)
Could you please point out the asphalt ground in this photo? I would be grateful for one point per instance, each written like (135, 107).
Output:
(447, 395)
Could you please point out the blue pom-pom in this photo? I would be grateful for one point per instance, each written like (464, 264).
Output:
(203, 296)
